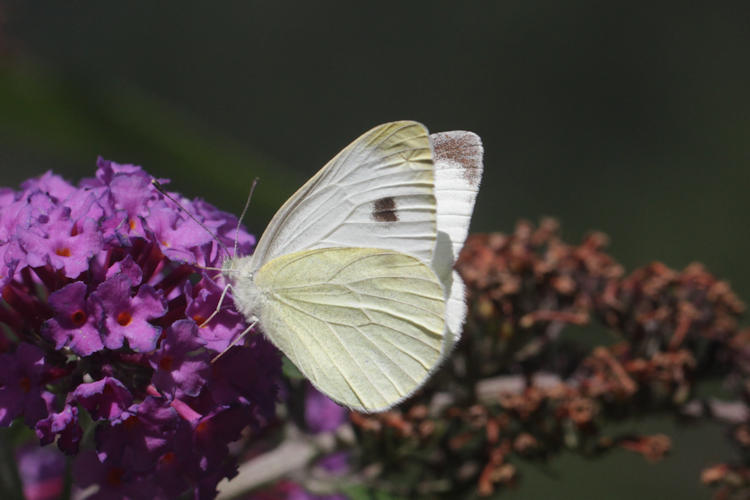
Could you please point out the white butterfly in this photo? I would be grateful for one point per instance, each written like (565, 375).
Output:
(353, 278)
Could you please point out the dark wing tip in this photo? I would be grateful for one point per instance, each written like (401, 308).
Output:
(462, 147)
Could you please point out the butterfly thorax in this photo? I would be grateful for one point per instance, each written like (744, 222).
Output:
(248, 298)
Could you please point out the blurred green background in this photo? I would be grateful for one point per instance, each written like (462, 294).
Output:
(631, 118)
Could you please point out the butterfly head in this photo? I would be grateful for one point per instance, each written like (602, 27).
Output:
(240, 272)
(238, 269)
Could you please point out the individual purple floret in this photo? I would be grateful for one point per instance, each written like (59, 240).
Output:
(75, 323)
(128, 317)
(201, 304)
(141, 434)
(105, 399)
(103, 294)
(181, 366)
(50, 236)
(62, 426)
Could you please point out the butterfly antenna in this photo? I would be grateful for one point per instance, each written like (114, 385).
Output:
(159, 187)
(242, 215)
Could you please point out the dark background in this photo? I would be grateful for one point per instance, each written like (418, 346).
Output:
(629, 118)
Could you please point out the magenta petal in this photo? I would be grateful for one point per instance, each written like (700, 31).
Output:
(127, 317)
(139, 435)
(62, 426)
(74, 323)
(225, 326)
(51, 184)
(180, 365)
(128, 268)
(104, 399)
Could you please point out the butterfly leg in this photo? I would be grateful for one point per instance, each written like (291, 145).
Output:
(218, 306)
(239, 337)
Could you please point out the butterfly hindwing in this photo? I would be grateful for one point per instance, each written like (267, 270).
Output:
(364, 325)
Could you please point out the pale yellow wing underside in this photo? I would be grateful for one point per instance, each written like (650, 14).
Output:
(365, 325)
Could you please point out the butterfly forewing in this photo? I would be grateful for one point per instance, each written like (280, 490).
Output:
(458, 172)
(378, 192)
(365, 325)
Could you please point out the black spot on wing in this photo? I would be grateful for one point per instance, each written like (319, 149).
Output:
(384, 210)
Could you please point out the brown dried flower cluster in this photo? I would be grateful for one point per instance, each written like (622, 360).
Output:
(558, 340)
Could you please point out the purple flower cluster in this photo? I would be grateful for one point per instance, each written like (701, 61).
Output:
(101, 309)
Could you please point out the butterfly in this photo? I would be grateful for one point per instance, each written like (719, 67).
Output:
(353, 278)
